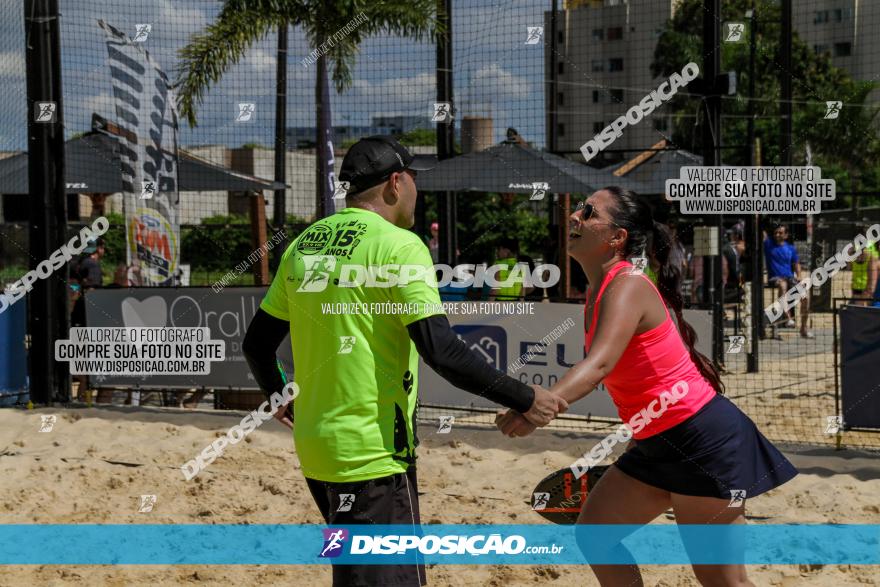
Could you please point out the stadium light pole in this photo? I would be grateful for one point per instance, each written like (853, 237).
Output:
(47, 302)
(551, 99)
(445, 133)
(61, 324)
(753, 225)
(280, 211)
(785, 84)
(711, 138)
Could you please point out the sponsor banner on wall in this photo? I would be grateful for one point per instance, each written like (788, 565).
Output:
(535, 348)
(227, 314)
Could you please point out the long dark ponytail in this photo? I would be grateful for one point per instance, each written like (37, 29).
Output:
(655, 240)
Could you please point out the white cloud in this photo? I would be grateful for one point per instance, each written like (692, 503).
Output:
(493, 81)
(193, 17)
(102, 104)
(259, 60)
(12, 64)
(407, 94)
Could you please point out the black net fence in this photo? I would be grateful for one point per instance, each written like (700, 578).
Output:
(560, 87)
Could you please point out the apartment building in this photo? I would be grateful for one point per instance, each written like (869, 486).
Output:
(846, 31)
(603, 59)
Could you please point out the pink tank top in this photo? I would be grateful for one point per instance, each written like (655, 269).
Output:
(655, 384)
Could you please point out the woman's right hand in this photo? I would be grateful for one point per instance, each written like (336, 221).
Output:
(545, 407)
(511, 423)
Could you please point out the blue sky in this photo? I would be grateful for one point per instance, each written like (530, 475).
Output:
(496, 73)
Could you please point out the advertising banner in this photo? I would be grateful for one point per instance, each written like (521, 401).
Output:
(147, 116)
(536, 348)
(533, 342)
(226, 314)
(859, 372)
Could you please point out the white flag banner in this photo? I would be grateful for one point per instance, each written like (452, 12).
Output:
(146, 114)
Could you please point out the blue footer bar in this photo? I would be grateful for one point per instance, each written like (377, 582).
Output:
(176, 544)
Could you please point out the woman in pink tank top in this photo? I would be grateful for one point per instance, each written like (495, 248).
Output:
(690, 448)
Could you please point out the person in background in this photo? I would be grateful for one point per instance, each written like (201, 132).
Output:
(783, 272)
(78, 320)
(507, 255)
(732, 254)
(677, 252)
(695, 272)
(434, 242)
(90, 273)
(125, 276)
(864, 272)
(876, 301)
(85, 275)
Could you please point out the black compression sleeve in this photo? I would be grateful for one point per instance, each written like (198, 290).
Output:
(261, 341)
(446, 354)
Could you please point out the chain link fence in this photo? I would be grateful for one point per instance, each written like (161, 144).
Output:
(521, 73)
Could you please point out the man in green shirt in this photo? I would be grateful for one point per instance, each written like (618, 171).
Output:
(511, 276)
(864, 272)
(357, 293)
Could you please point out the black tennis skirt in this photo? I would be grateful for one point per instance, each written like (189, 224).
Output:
(713, 453)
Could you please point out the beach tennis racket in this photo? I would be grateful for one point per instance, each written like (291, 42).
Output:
(559, 496)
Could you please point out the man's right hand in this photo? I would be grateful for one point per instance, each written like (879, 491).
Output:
(284, 415)
(545, 407)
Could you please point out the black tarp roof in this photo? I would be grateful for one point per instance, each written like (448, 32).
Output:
(513, 168)
(92, 161)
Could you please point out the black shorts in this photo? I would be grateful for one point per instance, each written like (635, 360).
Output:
(714, 452)
(386, 500)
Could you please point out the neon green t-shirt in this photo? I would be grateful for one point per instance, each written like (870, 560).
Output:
(860, 270)
(354, 363)
(514, 290)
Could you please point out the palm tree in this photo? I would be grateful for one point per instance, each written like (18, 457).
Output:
(241, 23)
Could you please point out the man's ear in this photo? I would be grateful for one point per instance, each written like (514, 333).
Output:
(391, 194)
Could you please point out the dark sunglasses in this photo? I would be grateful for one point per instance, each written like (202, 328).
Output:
(588, 211)
(585, 209)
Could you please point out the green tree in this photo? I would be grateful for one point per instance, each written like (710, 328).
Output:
(219, 243)
(240, 23)
(847, 148)
(419, 137)
(114, 243)
(491, 218)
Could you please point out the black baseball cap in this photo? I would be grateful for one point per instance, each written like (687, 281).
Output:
(372, 160)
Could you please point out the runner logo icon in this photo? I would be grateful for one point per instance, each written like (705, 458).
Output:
(540, 500)
(317, 274)
(333, 540)
(346, 500)
(445, 424)
(736, 344)
(346, 344)
(534, 35)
